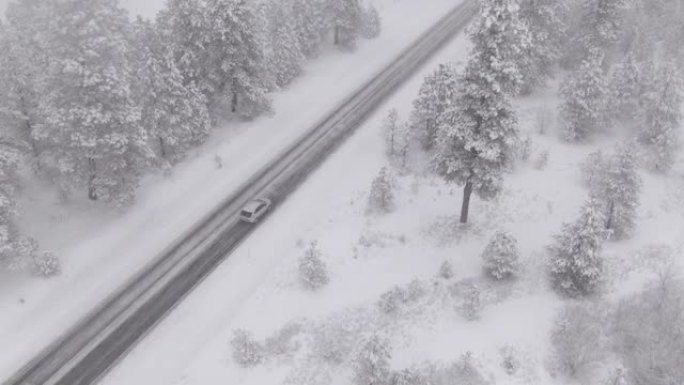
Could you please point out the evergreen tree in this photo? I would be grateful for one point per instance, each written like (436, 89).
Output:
(477, 134)
(371, 23)
(175, 115)
(285, 53)
(435, 97)
(186, 28)
(313, 272)
(371, 364)
(660, 132)
(576, 264)
(626, 89)
(602, 23)
(617, 188)
(501, 256)
(381, 197)
(92, 137)
(346, 16)
(312, 23)
(23, 65)
(502, 41)
(585, 98)
(546, 21)
(237, 47)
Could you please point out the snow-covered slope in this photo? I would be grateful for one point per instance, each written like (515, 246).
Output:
(258, 289)
(101, 248)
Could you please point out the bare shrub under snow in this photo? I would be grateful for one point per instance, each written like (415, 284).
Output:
(396, 298)
(463, 371)
(541, 161)
(577, 340)
(247, 352)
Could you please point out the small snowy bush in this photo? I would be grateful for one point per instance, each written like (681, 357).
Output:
(577, 340)
(510, 360)
(501, 257)
(472, 303)
(47, 265)
(381, 198)
(283, 342)
(246, 351)
(313, 273)
(542, 160)
(446, 270)
(397, 297)
(371, 362)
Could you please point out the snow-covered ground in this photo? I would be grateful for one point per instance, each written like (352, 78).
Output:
(257, 289)
(101, 248)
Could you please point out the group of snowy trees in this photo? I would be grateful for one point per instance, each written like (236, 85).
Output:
(624, 70)
(90, 100)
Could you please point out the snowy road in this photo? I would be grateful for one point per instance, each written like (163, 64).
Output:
(96, 343)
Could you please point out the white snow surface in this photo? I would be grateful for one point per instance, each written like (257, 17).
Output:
(101, 248)
(257, 288)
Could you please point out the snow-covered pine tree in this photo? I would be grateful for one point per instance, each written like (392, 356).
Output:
(22, 70)
(547, 25)
(662, 118)
(313, 272)
(91, 138)
(617, 188)
(436, 96)
(500, 35)
(477, 134)
(501, 256)
(604, 20)
(346, 16)
(285, 55)
(381, 197)
(576, 264)
(585, 100)
(371, 23)
(627, 89)
(174, 114)
(390, 129)
(185, 26)
(371, 363)
(312, 24)
(237, 47)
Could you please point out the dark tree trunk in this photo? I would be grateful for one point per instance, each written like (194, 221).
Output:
(234, 102)
(611, 212)
(467, 192)
(162, 147)
(337, 35)
(92, 192)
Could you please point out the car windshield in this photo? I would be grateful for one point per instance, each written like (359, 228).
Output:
(246, 213)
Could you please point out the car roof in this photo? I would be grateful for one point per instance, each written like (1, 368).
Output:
(254, 204)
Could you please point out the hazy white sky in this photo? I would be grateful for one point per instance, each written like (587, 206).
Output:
(146, 8)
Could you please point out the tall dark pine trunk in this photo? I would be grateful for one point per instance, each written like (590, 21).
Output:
(162, 147)
(92, 192)
(467, 192)
(611, 213)
(337, 34)
(234, 101)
